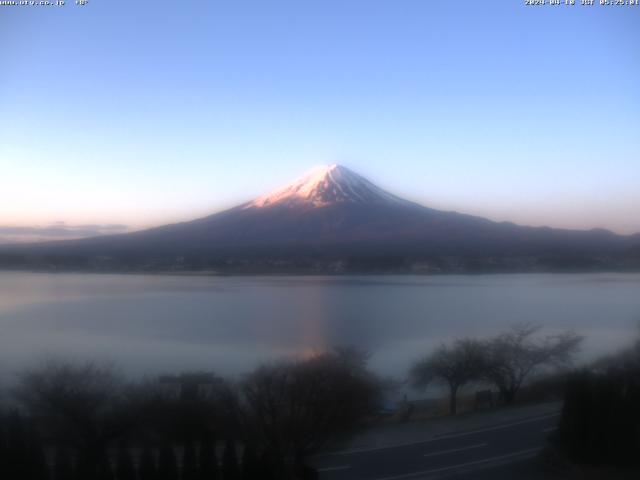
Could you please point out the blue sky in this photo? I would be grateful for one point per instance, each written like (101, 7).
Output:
(142, 113)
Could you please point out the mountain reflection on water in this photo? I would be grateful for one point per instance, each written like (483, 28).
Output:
(148, 324)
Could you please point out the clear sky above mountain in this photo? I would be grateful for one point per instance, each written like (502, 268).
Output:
(142, 113)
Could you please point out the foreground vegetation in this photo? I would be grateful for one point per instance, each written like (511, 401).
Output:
(71, 421)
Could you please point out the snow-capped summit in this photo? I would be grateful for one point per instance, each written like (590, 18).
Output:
(326, 185)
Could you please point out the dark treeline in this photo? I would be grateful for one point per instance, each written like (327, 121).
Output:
(357, 261)
(69, 421)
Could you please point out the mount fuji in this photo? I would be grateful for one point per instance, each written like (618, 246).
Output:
(333, 219)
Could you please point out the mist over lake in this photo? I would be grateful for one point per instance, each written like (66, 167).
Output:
(153, 323)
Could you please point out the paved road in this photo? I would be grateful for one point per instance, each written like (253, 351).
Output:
(446, 455)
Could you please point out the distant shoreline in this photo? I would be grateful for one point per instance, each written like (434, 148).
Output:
(219, 274)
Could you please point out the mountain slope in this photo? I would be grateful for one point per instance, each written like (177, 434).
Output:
(330, 214)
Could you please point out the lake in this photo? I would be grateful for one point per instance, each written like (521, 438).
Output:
(153, 323)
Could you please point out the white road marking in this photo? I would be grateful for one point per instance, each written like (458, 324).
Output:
(435, 439)
(452, 450)
(498, 458)
(333, 469)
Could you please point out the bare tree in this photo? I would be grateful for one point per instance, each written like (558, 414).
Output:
(455, 366)
(515, 355)
(293, 408)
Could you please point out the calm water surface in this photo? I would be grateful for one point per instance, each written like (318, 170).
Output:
(150, 323)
